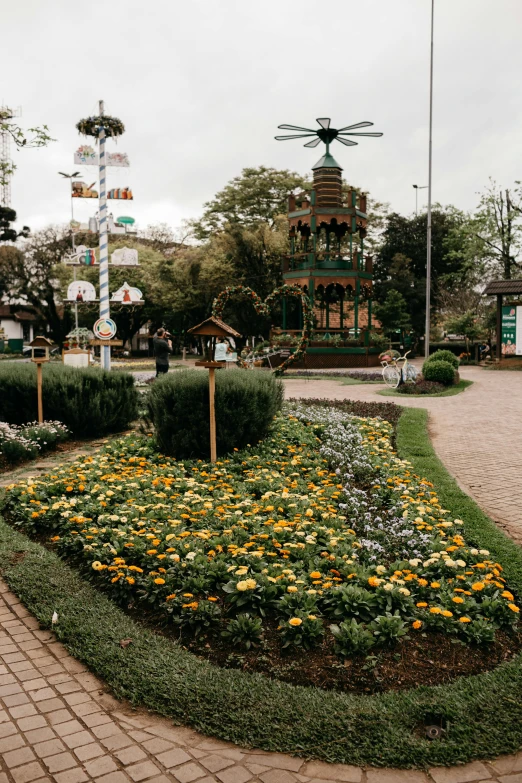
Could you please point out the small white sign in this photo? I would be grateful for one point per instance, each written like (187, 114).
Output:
(125, 256)
(127, 294)
(81, 291)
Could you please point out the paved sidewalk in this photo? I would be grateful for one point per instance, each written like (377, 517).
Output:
(477, 434)
(57, 723)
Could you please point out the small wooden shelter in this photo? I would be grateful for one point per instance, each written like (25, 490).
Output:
(212, 327)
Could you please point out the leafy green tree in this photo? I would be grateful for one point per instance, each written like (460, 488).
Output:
(393, 313)
(467, 324)
(32, 137)
(400, 262)
(497, 227)
(256, 196)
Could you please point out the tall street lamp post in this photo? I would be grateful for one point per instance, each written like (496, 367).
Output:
(428, 252)
(70, 177)
(417, 188)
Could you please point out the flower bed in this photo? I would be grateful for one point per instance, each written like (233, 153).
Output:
(27, 442)
(319, 538)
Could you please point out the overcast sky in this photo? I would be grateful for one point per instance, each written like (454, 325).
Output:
(202, 85)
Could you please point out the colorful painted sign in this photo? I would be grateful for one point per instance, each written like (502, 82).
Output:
(125, 256)
(120, 193)
(81, 190)
(511, 328)
(87, 156)
(81, 291)
(82, 255)
(127, 294)
(104, 329)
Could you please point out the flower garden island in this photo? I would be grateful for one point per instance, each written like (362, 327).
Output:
(316, 603)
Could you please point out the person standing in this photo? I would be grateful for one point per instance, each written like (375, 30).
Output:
(162, 349)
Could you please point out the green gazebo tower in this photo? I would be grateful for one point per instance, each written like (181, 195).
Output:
(327, 260)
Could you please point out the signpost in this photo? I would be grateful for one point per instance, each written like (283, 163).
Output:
(40, 354)
(511, 330)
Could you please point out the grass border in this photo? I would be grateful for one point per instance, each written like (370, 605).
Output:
(459, 387)
(483, 714)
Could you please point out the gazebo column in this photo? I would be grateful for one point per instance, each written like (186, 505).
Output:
(341, 312)
(370, 314)
(356, 308)
(284, 314)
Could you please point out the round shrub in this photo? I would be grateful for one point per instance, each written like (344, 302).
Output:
(89, 401)
(246, 403)
(444, 356)
(442, 372)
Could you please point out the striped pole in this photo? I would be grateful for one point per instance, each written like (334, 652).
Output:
(104, 255)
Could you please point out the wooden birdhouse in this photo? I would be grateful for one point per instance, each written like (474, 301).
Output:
(40, 347)
(209, 330)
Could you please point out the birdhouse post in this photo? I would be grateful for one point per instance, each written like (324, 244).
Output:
(39, 354)
(212, 328)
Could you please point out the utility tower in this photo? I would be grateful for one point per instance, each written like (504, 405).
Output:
(6, 163)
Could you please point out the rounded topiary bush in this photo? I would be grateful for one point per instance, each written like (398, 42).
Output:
(440, 371)
(246, 403)
(89, 401)
(444, 356)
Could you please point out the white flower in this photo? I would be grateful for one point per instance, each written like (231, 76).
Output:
(450, 563)
(388, 587)
(461, 563)
(415, 562)
(381, 569)
(474, 551)
(484, 551)
(404, 591)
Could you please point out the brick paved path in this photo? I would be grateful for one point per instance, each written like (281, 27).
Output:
(477, 434)
(58, 723)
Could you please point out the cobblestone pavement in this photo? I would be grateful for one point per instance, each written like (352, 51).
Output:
(58, 723)
(476, 434)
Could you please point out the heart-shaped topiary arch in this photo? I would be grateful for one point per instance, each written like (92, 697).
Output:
(263, 308)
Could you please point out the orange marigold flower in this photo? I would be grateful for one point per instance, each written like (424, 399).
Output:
(478, 586)
(446, 613)
(159, 581)
(457, 600)
(464, 619)
(435, 585)
(514, 608)
(505, 594)
(417, 624)
(422, 604)
(435, 610)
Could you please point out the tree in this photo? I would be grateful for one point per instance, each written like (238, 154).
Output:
(39, 138)
(468, 325)
(497, 226)
(256, 196)
(393, 313)
(400, 262)
(7, 233)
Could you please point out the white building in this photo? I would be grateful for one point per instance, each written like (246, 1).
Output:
(18, 324)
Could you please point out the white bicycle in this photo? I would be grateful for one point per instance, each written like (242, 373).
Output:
(396, 369)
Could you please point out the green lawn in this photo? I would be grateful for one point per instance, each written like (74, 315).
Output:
(459, 387)
(482, 715)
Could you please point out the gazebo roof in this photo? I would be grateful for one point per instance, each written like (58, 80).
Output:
(214, 327)
(503, 287)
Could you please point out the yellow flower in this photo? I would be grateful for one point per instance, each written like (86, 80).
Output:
(457, 600)
(464, 619)
(315, 575)
(246, 584)
(295, 621)
(291, 589)
(417, 624)
(374, 581)
(422, 604)
(159, 581)
(312, 617)
(514, 608)
(478, 586)
(435, 585)
(446, 613)
(435, 610)
(96, 565)
(505, 594)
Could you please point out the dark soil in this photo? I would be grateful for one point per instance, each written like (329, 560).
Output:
(421, 387)
(420, 659)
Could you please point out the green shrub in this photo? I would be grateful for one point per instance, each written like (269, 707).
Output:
(442, 372)
(246, 403)
(88, 401)
(244, 631)
(351, 638)
(444, 356)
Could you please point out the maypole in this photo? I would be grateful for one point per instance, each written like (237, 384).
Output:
(104, 253)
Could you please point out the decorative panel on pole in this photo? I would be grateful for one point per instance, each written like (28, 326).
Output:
(105, 309)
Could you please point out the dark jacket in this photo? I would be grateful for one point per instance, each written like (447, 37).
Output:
(161, 350)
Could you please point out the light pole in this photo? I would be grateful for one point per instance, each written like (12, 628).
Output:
(428, 236)
(70, 177)
(417, 188)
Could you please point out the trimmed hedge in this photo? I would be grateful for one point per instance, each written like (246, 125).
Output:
(441, 372)
(178, 406)
(89, 401)
(482, 714)
(444, 356)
